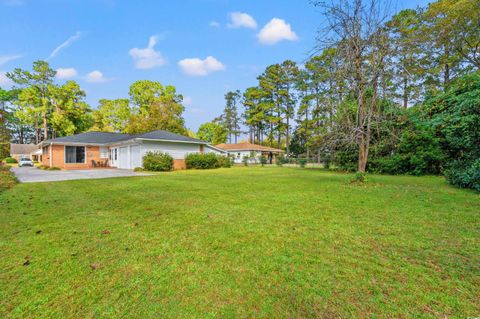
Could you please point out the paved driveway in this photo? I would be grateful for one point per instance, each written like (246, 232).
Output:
(33, 174)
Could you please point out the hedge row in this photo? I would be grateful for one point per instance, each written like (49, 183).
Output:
(207, 161)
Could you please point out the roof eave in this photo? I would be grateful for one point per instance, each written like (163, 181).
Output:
(171, 141)
(217, 148)
(72, 143)
(251, 149)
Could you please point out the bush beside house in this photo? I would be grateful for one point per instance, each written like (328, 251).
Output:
(157, 162)
(10, 160)
(207, 161)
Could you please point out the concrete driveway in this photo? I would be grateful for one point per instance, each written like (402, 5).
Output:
(33, 174)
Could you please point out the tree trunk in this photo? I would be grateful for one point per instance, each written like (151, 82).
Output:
(235, 130)
(271, 134)
(45, 128)
(37, 135)
(362, 154)
(306, 133)
(405, 92)
(279, 138)
(287, 136)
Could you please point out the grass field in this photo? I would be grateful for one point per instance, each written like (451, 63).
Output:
(240, 243)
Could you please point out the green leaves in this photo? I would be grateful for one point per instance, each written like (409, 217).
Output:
(155, 107)
(212, 132)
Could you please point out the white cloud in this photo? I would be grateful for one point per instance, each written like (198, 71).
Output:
(241, 20)
(65, 44)
(214, 24)
(276, 30)
(96, 77)
(147, 58)
(66, 73)
(199, 67)
(7, 58)
(4, 80)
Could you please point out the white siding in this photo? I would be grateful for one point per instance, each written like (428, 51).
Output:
(239, 155)
(135, 156)
(131, 156)
(123, 160)
(176, 150)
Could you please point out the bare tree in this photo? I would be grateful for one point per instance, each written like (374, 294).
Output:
(356, 29)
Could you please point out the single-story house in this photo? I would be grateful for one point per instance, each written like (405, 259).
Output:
(101, 149)
(239, 151)
(19, 151)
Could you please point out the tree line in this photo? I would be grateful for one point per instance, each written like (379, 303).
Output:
(371, 97)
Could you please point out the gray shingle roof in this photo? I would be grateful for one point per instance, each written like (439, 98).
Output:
(91, 137)
(108, 138)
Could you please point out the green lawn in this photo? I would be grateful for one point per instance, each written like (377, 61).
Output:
(240, 243)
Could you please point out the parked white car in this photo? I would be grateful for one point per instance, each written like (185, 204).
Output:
(25, 161)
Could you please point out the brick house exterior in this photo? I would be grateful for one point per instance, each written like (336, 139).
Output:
(57, 154)
(99, 149)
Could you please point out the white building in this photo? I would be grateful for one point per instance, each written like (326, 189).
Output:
(253, 152)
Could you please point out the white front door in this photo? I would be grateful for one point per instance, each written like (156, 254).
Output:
(114, 154)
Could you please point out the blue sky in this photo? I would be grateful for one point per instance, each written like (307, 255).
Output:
(202, 47)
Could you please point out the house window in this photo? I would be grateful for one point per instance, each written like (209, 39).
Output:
(115, 154)
(74, 154)
(103, 152)
(45, 150)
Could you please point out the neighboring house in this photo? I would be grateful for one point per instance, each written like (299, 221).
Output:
(100, 149)
(253, 151)
(19, 151)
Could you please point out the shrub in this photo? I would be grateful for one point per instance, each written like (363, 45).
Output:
(302, 162)
(245, 160)
(207, 161)
(464, 175)
(346, 159)
(224, 161)
(263, 160)
(138, 169)
(53, 168)
(7, 178)
(157, 162)
(4, 150)
(280, 160)
(359, 177)
(418, 153)
(10, 160)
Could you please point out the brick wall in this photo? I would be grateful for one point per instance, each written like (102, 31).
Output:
(58, 157)
(179, 164)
